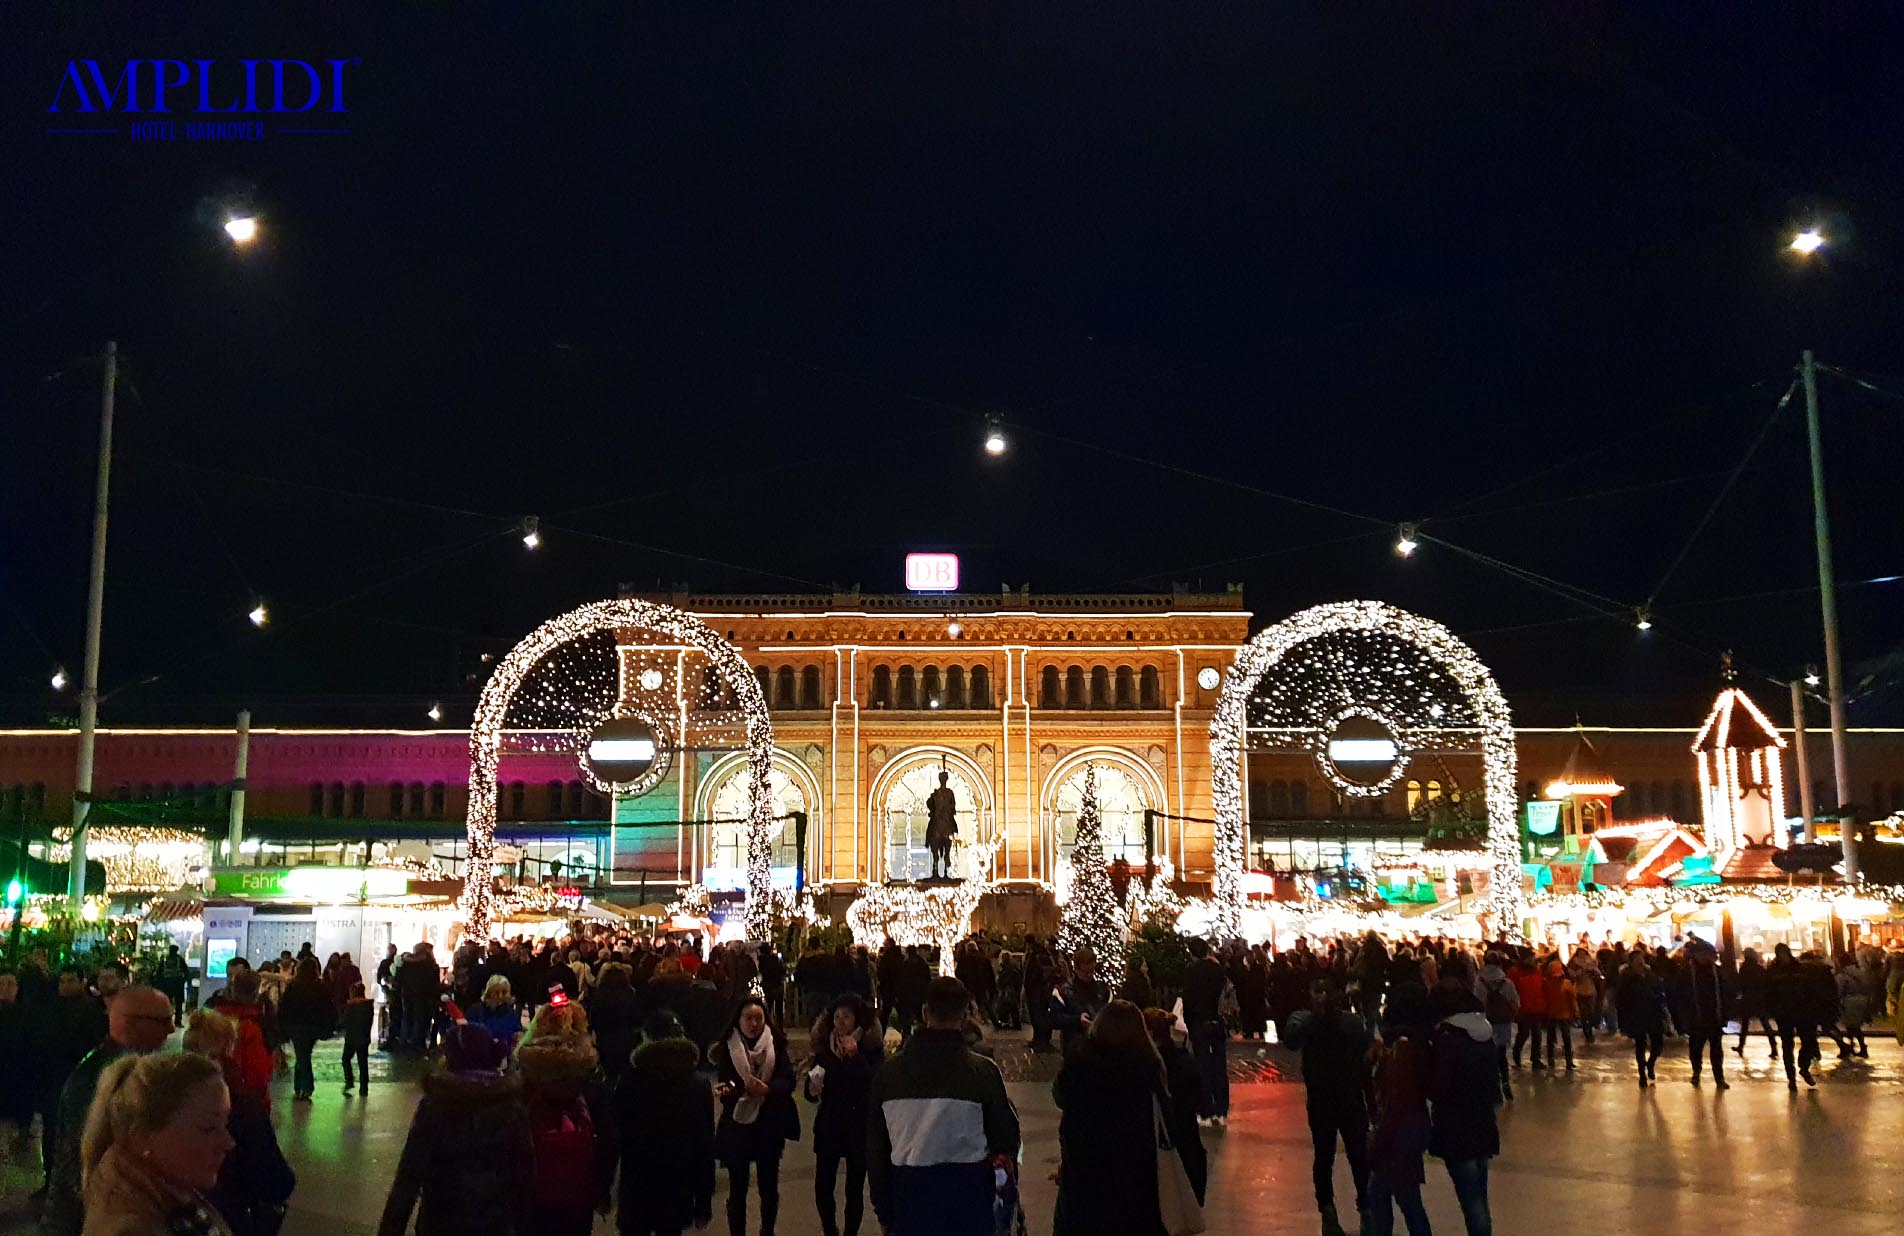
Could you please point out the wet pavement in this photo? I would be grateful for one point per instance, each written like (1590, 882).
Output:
(1583, 1153)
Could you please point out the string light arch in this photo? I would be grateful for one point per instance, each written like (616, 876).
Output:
(1412, 672)
(730, 669)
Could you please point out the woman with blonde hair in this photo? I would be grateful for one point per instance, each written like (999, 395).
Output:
(497, 1012)
(154, 1142)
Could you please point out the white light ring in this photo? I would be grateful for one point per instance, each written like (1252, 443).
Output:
(657, 770)
(1319, 747)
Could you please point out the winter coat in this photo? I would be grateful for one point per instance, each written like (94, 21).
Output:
(123, 1199)
(665, 1115)
(939, 1115)
(840, 1124)
(1532, 988)
(1706, 997)
(1400, 1134)
(20, 1080)
(1464, 1087)
(1186, 1097)
(1751, 988)
(255, 1181)
(306, 1007)
(1502, 1002)
(1817, 993)
(1641, 1002)
(1332, 1048)
(359, 1015)
(613, 1015)
(1557, 990)
(779, 1119)
(469, 1157)
(1107, 1141)
(1202, 990)
(61, 1215)
(1784, 990)
(1853, 1003)
(558, 1071)
(503, 1021)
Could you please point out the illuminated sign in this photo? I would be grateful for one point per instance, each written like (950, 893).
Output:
(932, 572)
(1543, 818)
(326, 884)
(622, 750)
(1362, 750)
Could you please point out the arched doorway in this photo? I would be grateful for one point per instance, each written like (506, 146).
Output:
(1363, 668)
(725, 668)
(1126, 786)
(898, 803)
(722, 797)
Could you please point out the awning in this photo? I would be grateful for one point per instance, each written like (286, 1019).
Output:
(175, 909)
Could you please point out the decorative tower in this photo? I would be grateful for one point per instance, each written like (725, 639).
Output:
(1741, 774)
(1586, 791)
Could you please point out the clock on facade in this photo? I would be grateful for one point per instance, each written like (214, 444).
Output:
(1207, 678)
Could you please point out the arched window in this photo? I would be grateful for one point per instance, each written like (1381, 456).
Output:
(123, 793)
(1413, 795)
(1259, 798)
(557, 796)
(518, 800)
(1299, 798)
(1074, 687)
(908, 687)
(1050, 688)
(438, 804)
(981, 687)
(396, 800)
(929, 686)
(1121, 800)
(784, 696)
(955, 686)
(416, 798)
(1126, 687)
(357, 800)
(882, 687)
(1149, 689)
(1682, 802)
(578, 802)
(1100, 687)
(764, 677)
(1279, 798)
(317, 798)
(810, 688)
(336, 802)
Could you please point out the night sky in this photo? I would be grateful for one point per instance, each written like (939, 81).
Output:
(723, 294)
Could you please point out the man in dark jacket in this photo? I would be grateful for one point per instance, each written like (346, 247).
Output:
(665, 1114)
(138, 1020)
(1203, 981)
(67, 1026)
(939, 1118)
(1333, 1042)
(1705, 1006)
(1785, 1001)
(417, 984)
(1463, 1091)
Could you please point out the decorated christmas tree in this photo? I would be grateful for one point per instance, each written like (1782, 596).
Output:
(1092, 916)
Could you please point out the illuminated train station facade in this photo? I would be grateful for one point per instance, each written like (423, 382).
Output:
(873, 697)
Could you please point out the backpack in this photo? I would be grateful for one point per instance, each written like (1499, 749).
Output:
(252, 1061)
(564, 1136)
(1500, 1009)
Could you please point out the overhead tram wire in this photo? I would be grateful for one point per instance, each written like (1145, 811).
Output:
(1718, 500)
(163, 435)
(675, 553)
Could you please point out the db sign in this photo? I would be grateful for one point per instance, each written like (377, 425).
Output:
(932, 572)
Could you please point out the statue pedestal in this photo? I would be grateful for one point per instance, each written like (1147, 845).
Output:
(939, 882)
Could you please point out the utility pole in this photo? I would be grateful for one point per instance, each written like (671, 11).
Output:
(1803, 758)
(95, 606)
(235, 827)
(1828, 608)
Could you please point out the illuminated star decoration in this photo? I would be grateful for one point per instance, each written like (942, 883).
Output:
(1392, 663)
(726, 667)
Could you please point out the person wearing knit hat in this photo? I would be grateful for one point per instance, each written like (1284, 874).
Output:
(469, 1158)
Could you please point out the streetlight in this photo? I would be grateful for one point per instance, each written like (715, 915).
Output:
(531, 532)
(1405, 542)
(1643, 618)
(953, 629)
(1807, 242)
(994, 436)
(59, 678)
(259, 615)
(436, 712)
(243, 229)
(1811, 675)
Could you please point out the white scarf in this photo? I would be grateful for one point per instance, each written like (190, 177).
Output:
(756, 1063)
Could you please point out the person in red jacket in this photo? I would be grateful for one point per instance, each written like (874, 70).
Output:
(1562, 1011)
(1532, 989)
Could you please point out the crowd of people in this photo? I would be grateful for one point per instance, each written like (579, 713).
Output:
(610, 1073)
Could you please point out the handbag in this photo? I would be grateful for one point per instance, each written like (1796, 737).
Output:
(1177, 1202)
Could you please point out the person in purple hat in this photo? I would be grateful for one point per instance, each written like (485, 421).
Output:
(470, 1155)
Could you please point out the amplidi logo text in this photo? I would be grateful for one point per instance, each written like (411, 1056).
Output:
(201, 88)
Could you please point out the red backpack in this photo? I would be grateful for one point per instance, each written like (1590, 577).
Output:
(564, 1154)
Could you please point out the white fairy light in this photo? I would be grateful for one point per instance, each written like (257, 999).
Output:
(1363, 652)
(730, 670)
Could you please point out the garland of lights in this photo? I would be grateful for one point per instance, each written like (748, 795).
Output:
(1412, 658)
(729, 669)
(139, 859)
(1655, 899)
(695, 901)
(1160, 903)
(1092, 918)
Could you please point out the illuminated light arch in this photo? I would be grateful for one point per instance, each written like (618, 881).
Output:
(485, 741)
(725, 768)
(1267, 649)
